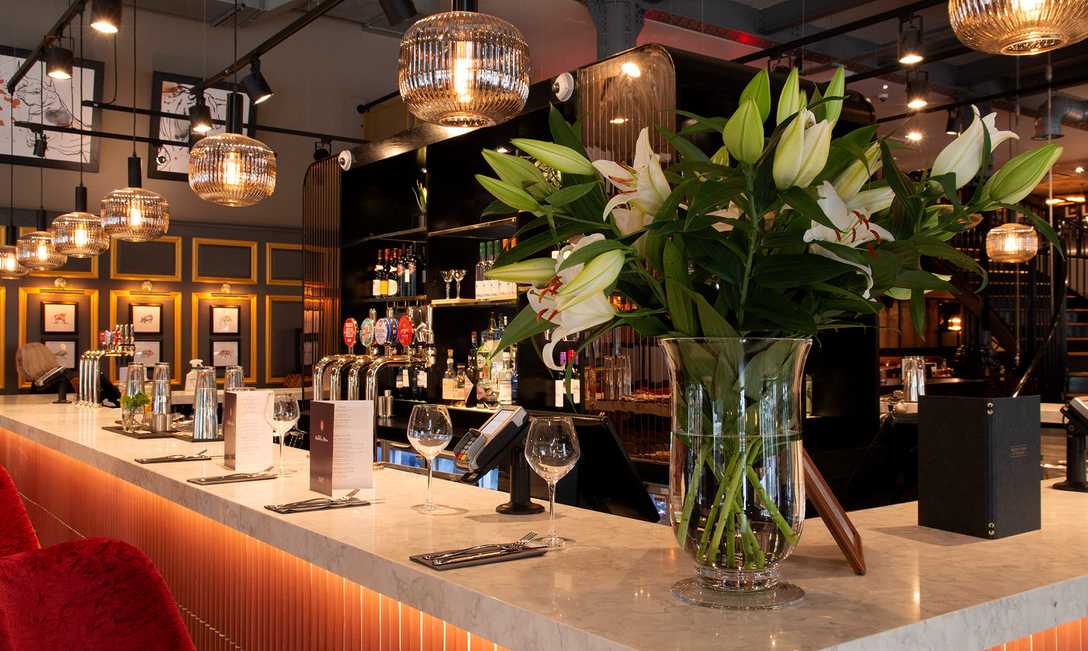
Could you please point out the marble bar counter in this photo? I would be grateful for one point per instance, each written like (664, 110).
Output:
(925, 589)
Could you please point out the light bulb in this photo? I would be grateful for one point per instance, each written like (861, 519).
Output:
(914, 135)
(232, 169)
(135, 216)
(917, 103)
(1011, 245)
(462, 71)
(631, 69)
(80, 237)
(9, 263)
(43, 252)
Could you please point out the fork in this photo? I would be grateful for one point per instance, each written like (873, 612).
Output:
(318, 500)
(446, 556)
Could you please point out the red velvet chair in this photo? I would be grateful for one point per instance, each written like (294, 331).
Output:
(95, 595)
(16, 531)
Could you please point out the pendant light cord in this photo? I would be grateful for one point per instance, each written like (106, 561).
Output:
(41, 134)
(80, 106)
(133, 78)
(10, 232)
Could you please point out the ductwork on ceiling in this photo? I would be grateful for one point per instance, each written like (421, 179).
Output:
(1049, 123)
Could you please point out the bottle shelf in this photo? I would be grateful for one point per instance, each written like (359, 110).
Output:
(489, 230)
(474, 302)
(418, 298)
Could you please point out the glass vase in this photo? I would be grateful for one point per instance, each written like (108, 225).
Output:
(736, 482)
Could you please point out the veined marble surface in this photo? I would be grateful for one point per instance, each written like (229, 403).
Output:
(926, 589)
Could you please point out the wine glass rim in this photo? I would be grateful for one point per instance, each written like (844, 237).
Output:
(547, 419)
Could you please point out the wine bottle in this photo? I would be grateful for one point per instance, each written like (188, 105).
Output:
(378, 283)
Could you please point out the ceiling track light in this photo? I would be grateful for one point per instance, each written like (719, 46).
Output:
(917, 89)
(911, 36)
(58, 62)
(952, 126)
(200, 117)
(106, 16)
(255, 85)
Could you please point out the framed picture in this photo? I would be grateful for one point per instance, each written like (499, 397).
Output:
(57, 102)
(59, 317)
(146, 319)
(225, 319)
(65, 350)
(148, 352)
(224, 353)
(170, 94)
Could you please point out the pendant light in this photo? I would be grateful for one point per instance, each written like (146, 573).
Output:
(106, 16)
(10, 269)
(228, 168)
(1018, 27)
(1012, 243)
(132, 213)
(461, 68)
(36, 250)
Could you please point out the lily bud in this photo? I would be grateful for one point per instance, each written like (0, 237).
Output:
(534, 270)
(558, 157)
(510, 195)
(835, 88)
(743, 133)
(801, 153)
(817, 146)
(857, 174)
(963, 156)
(595, 276)
(872, 201)
(1019, 176)
(789, 100)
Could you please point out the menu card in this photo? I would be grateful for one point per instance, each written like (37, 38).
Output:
(247, 436)
(341, 445)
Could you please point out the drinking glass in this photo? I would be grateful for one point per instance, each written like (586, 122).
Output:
(447, 276)
(233, 378)
(551, 448)
(459, 275)
(281, 412)
(429, 432)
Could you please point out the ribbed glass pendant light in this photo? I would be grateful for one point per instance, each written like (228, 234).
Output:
(1018, 27)
(231, 169)
(463, 69)
(36, 251)
(132, 213)
(10, 269)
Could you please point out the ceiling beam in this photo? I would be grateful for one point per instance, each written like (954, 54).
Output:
(788, 14)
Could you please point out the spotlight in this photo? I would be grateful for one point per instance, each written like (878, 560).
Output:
(41, 143)
(618, 120)
(255, 85)
(952, 127)
(1075, 198)
(917, 89)
(106, 16)
(1055, 201)
(58, 62)
(200, 117)
(1079, 169)
(910, 40)
(502, 150)
(398, 11)
(914, 135)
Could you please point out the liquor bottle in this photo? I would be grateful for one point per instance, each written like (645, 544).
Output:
(506, 380)
(449, 379)
(391, 275)
(390, 326)
(413, 275)
(402, 271)
(575, 380)
(378, 285)
(560, 384)
(464, 385)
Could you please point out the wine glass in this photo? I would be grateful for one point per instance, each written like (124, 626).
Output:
(459, 275)
(281, 412)
(429, 432)
(447, 276)
(551, 448)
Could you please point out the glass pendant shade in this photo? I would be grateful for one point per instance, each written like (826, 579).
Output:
(232, 170)
(79, 235)
(1018, 27)
(463, 69)
(134, 214)
(10, 269)
(36, 251)
(1012, 243)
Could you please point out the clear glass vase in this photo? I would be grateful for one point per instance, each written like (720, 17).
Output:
(736, 483)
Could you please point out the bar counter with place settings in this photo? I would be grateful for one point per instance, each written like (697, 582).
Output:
(245, 577)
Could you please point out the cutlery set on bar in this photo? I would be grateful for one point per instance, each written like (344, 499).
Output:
(482, 554)
(319, 504)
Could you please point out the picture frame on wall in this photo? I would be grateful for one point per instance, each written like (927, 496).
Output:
(146, 319)
(148, 352)
(225, 353)
(60, 317)
(66, 351)
(225, 319)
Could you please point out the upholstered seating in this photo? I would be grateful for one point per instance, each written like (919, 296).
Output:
(16, 531)
(94, 595)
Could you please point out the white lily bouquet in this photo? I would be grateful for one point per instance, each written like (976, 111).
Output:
(737, 260)
(779, 235)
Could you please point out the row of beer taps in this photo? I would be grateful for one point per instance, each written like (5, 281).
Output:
(118, 341)
(361, 370)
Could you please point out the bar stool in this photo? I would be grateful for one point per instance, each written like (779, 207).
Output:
(16, 531)
(95, 594)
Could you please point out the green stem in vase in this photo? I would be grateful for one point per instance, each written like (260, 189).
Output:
(712, 515)
(692, 491)
(734, 479)
(768, 504)
(754, 553)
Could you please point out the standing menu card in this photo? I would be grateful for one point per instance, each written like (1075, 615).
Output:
(247, 436)
(341, 445)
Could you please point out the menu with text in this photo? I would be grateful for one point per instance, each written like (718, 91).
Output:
(341, 445)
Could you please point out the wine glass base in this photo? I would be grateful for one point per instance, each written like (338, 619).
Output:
(551, 542)
(695, 591)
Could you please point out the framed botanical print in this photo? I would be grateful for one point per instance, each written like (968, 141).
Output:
(148, 352)
(224, 353)
(59, 317)
(146, 319)
(65, 350)
(225, 319)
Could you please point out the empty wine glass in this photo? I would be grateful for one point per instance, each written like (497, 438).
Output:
(551, 448)
(281, 412)
(459, 275)
(429, 432)
(447, 276)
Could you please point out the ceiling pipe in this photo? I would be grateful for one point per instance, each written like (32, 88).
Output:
(55, 32)
(1049, 123)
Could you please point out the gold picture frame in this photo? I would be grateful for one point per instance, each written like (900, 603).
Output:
(269, 299)
(269, 247)
(249, 245)
(26, 292)
(228, 299)
(91, 274)
(175, 277)
(175, 297)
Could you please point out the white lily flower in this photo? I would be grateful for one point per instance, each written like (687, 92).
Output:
(963, 156)
(642, 187)
(852, 229)
(801, 152)
(570, 316)
(871, 202)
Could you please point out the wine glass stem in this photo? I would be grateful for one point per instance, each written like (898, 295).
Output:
(447, 291)
(430, 472)
(282, 435)
(551, 511)
(458, 289)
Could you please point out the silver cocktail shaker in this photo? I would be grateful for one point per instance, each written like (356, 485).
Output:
(160, 398)
(914, 378)
(205, 404)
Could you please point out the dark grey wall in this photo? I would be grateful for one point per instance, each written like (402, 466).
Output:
(216, 260)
